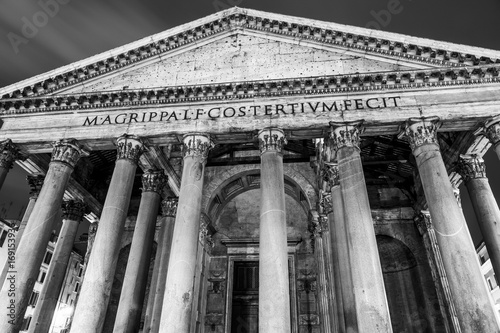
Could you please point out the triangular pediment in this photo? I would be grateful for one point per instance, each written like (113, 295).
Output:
(243, 45)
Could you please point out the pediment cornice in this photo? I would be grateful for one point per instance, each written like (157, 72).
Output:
(438, 78)
(436, 54)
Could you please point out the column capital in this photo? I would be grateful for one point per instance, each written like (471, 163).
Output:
(315, 226)
(271, 139)
(67, 151)
(35, 183)
(421, 131)
(9, 153)
(491, 130)
(73, 210)
(471, 167)
(423, 221)
(346, 134)
(196, 145)
(129, 147)
(169, 206)
(154, 181)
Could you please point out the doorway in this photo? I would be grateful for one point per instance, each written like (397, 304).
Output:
(245, 305)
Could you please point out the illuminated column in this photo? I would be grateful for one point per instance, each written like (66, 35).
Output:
(472, 300)
(274, 298)
(10, 153)
(177, 304)
(473, 172)
(370, 301)
(492, 131)
(157, 290)
(128, 315)
(44, 311)
(33, 244)
(96, 288)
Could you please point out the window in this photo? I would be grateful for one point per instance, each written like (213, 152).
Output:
(80, 272)
(41, 276)
(490, 284)
(3, 237)
(67, 298)
(33, 298)
(48, 257)
(26, 324)
(77, 285)
(481, 258)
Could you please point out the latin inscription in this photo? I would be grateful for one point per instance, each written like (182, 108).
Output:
(272, 110)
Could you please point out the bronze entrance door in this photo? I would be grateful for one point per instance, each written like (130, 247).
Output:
(245, 308)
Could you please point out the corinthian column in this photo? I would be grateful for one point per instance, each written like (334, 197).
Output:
(472, 300)
(128, 315)
(473, 172)
(44, 311)
(31, 249)
(96, 288)
(274, 298)
(157, 289)
(10, 153)
(177, 304)
(370, 301)
(492, 131)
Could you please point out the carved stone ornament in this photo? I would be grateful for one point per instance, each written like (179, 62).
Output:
(315, 227)
(422, 131)
(73, 210)
(346, 134)
(456, 193)
(471, 167)
(129, 147)
(196, 145)
(423, 222)
(9, 154)
(323, 222)
(271, 139)
(330, 174)
(204, 236)
(67, 151)
(169, 206)
(325, 202)
(491, 130)
(35, 183)
(154, 181)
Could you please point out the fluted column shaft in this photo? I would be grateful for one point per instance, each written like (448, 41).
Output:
(157, 289)
(91, 308)
(32, 247)
(9, 153)
(370, 301)
(177, 304)
(44, 311)
(472, 300)
(274, 298)
(128, 315)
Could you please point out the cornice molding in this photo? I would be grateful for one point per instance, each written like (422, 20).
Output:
(334, 84)
(238, 20)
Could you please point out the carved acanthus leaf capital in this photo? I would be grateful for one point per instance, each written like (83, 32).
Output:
(35, 183)
(346, 134)
(129, 147)
(421, 131)
(325, 202)
(154, 181)
(169, 206)
(491, 130)
(73, 210)
(272, 139)
(68, 151)
(423, 222)
(330, 173)
(9, 154)
(471, 167)
(196, 145)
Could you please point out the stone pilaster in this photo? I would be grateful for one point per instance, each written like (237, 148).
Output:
(473, 172)
(475, 313)
(9, 154)
(96, 288)
(178, 299)
(129, 311)
(31, 249)
(274, 298)
(371, 307)
(44, 311)
(157, 289)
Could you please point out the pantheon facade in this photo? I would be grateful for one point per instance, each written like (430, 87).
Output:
(254, 172)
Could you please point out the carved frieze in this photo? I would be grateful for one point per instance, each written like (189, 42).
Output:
(129, 147)
(154, 181)
(196, 145)
(9, 154)
(421, 131)
(471, 167)
(67, 151)
(73, 210)
(346, 134)
(169, 206)
(35, 183)
(271, 139)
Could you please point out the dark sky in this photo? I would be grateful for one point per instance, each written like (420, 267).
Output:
(75, 30)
